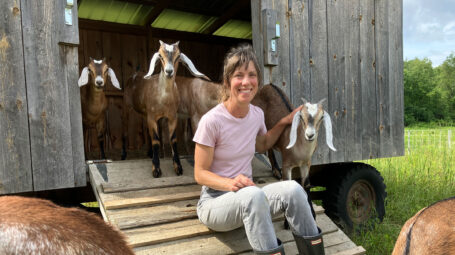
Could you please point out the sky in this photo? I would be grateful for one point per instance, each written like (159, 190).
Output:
(428, 29)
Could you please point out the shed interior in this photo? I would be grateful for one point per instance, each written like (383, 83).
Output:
(127, 32)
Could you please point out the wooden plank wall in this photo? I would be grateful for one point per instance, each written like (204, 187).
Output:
(47, 70)
(15, 166)
(351, 53)
(127, 53)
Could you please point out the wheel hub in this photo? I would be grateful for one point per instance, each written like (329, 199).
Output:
(360, 201)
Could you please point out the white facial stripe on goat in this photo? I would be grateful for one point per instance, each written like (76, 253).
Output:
(312, 109)
(97, 61)
(169, 48)
(100, 79)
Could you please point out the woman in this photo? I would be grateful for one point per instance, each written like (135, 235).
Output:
(226, 140)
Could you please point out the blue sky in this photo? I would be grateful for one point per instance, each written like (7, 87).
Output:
(428, 29)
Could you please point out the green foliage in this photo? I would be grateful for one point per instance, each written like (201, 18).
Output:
(429, 93)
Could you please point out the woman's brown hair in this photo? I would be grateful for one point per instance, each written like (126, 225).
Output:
(235, 58)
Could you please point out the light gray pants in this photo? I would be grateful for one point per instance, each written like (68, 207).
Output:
(254, 208)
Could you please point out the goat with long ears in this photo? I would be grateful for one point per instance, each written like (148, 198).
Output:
(93, 99)
(155, 97)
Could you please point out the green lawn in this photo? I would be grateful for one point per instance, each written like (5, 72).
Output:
(423, 176)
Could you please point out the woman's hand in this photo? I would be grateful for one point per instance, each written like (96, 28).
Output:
(240, 181)
(288, 119)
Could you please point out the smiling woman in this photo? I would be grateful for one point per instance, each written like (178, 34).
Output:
(226, 140)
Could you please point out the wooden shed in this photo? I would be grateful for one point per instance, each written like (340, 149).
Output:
(349, 52)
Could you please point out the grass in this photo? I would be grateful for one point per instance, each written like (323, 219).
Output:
(423, 176)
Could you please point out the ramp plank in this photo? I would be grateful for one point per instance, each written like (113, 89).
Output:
(131, 202)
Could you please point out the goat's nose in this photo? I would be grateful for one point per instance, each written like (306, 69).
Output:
(99, 83)
(310, 136)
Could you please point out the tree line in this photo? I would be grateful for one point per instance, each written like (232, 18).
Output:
(429, 93)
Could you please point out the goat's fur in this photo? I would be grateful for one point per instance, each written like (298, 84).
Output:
(93, 99)
(276, 105)
(37, 226)
(197, 97)
(156, 97)
(429, 231)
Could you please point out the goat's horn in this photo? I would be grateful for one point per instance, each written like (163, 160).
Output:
(83, 79)
(114, 80)
(328, 131)
(293, 134)
(304, 100)
(155, 57)
(187, 62)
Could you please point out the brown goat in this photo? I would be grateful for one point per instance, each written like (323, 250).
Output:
(197, 97)
(429, 231)
(93, 100)
(156, 97)
(38, 226)
(276, 105)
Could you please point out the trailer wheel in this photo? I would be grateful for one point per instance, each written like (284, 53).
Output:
(356, 196)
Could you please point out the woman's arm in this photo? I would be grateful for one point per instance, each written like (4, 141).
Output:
(265, 142)
(203, 157)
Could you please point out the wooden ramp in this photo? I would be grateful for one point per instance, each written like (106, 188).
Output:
(158, 215)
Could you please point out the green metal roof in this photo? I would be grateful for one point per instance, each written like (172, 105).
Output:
(136, 14)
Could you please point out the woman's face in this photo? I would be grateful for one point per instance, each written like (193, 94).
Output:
(244, 84)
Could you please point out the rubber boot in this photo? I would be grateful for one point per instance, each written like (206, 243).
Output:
(310, 245)
(277, 251)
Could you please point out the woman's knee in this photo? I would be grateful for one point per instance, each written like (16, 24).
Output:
(253, 197)
(294, 190)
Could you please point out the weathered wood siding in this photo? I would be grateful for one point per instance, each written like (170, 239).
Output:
(351, 53)
(15, 164)
(40, 112)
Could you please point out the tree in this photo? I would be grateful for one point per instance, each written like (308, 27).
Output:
(446, 84)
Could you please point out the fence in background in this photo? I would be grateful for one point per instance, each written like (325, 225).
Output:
(439, 138)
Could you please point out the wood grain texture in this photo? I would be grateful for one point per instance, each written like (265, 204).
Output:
(15, 158)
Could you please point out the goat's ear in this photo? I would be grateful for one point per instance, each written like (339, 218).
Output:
(293, 133)
(83, 79)
(322, 101)
(177, 43)
(187, 62)
(155, 57)
(114, 80)
(328, 131)
(161, 43)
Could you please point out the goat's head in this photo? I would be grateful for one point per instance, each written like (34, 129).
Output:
(311, 117)
(98, 70)
(170, 56)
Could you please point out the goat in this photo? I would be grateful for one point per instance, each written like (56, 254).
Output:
(156, 97)
(429, 231)
(197, 97)
(93, 100)
(38, 226)
(296, 153)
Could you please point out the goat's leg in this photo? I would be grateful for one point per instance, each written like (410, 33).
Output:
(306, 186)
(173, 139)
(287, 175)
(275, 168)
(125, 123)
(100, 130)
(152, 126)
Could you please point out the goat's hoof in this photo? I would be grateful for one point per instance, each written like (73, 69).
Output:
(179, 170)
(157, 173)
(277, 174)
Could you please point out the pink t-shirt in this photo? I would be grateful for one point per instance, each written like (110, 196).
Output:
(234, 139)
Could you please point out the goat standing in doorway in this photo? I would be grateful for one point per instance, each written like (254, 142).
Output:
(156, 97)
(93, 100)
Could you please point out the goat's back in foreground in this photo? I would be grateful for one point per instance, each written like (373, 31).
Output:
(429, 231)
(37, 226)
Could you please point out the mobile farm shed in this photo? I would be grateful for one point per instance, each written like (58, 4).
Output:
(347, 51)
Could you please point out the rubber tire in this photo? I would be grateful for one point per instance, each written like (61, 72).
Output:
(361, 178)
